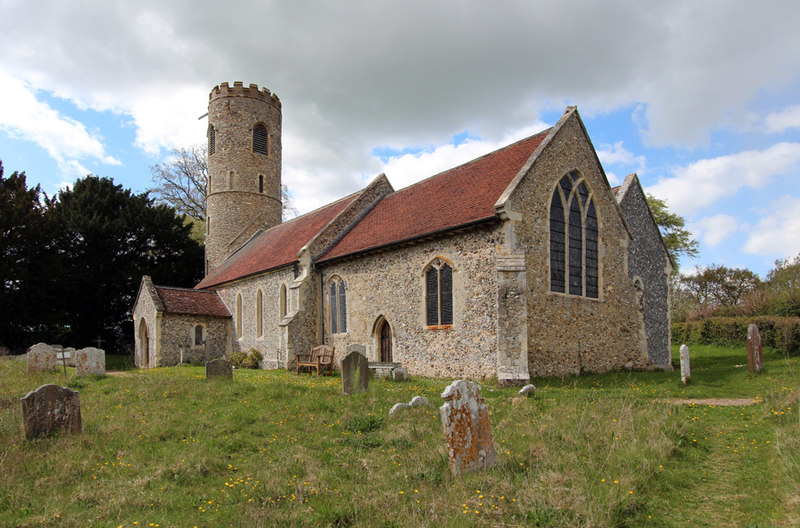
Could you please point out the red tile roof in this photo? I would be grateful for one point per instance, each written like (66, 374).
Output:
(193, 302)
(277, 246)
(457, 197)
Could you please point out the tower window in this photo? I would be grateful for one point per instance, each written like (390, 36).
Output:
(261, 183)
(231, 178)
(212, 140)
(260, 140)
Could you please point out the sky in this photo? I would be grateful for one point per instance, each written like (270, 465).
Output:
(700, 99)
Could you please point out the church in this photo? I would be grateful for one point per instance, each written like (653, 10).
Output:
(521, 263)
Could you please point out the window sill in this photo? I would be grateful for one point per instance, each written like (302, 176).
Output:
(440, 327)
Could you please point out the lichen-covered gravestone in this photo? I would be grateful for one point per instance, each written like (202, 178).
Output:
(755, 352)
(51, 408)
(90, 362)
(686, 372)
(41, 356)
(465, 420)
(219, 368)
(355, 370)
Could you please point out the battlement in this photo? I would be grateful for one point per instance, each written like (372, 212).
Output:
(239, 90)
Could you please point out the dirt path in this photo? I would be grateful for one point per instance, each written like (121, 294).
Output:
(720, 402)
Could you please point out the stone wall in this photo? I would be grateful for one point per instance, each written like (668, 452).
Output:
(390, 285)
(177, 335)
(649, 262)
(272, 342)
(568, 334)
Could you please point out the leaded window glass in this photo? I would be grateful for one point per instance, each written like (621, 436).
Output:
(439, 294)
(574, 238)
(338, 306)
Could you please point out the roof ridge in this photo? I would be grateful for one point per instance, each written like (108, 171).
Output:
(177, 288)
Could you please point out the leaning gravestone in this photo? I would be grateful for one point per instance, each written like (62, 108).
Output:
(49, 409)
(41, 356)
(355, 370)
(755, 352)
(686, 372)
(90, 362)
(465, 420)
(219, 368)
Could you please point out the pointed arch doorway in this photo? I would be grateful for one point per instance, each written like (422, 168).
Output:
(385, 341)
(144, 346)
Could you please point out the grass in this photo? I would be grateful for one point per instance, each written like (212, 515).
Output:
(168, 448)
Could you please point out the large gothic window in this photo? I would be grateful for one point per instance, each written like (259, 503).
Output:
(573, 238)
(338, 306)
(439, 293)
(260, 140)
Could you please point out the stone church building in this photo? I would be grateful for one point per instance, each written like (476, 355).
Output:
(523, 262)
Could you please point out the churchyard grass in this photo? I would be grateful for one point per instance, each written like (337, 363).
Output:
(168, 448)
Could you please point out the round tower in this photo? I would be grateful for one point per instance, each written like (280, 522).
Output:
(244, 167)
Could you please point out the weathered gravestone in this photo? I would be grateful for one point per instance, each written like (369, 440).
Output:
(219, 368)
(41, 356)
(355, 370)
(90, 362)
(686, 372)
(399, 374)
(51, 408)
(465, 420)
(755, 352)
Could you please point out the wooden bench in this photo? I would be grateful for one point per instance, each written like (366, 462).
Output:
(320, 359)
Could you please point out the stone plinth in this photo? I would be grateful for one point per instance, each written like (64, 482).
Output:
(465, 420)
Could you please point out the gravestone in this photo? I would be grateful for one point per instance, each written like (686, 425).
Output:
(355, 370)
(686, 372)
(41, 356)
(398, 407)
(465, 420)
(49, 409)
(399, 374)
(755, 352)
(419, 401)
(90, 362)
(219, 368)
(527, 390)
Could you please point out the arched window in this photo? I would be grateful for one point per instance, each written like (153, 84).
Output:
(338, 306)
(282, 301)
(212, 140)
(198, 337)
(573, 238)
(260, 140)
(259, 314)
(439, 293)
(239, 315)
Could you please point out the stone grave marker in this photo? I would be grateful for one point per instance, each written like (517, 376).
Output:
(41, 356)
(686, 372)
(755, 352)
(399, 374)
(49, 409)
(90, 362)
(355, 370)
(465, 420)
(219, 368)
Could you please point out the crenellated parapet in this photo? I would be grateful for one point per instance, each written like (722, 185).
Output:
(240, 90)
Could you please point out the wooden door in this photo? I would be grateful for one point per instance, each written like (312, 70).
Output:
(386, 343)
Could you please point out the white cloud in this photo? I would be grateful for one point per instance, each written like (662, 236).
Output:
(779, 232)
(65, 139)
(715, 229)
(776, 122)
(618, 156)
(703, 182)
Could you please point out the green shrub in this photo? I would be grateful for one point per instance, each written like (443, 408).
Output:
(253, 359)
(781, 333)
(237, 358)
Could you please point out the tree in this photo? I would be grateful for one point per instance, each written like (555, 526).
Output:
(110, 238)
(182, 182)
(721, 286)
(677, 239)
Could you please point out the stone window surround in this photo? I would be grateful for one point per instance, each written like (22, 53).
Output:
(193, 336)
(433, 262)
(283, 305)
(259, 314)
(600, 245)
(338, 280)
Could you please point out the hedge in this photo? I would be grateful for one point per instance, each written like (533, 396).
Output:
(780, 333)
